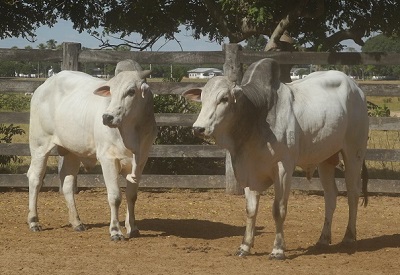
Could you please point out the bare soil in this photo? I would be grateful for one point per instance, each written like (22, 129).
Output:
(191, 232)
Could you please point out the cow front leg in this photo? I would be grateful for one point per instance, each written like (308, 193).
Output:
(252, 202)
(69, 168)
(132, 185)
(111, 169)
(131, 196)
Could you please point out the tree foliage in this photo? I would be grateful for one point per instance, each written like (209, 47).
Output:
(256, 43)
(383, 43)
(21, 18)
(319, 24)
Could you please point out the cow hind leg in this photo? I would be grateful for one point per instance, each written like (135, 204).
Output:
(35, 176)
(279, 208)
(68, 175)
(353, 164)
(326, 171)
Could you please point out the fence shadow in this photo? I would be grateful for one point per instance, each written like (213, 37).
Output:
(363, 245)
(191, 228)
(184, 228)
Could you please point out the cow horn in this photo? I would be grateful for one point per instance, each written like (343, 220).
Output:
(144, 74)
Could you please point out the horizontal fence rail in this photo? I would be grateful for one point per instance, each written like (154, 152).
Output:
(73, 54)
(381, 123)
(206, 57)
(164, 88)
(375, 123)
(193, 151)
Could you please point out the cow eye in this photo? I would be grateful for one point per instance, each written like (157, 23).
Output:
(131, 92)
(224, 99)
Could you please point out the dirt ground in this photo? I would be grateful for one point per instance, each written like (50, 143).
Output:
(191, 232)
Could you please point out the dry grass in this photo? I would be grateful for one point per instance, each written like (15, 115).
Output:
(377, 140)
(384, 140)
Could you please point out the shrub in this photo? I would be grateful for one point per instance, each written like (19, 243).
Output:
(14, 102)
(377, 111)
(6, 134)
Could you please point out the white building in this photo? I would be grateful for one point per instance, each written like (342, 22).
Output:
(298, 73)
(204, 73)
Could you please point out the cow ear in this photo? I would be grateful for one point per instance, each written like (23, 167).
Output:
(103, 91)
(193, 94)
(143, 88)
(237, 91)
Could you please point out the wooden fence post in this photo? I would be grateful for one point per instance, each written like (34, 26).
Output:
(233, 69)
(69, 62)
(70, 56)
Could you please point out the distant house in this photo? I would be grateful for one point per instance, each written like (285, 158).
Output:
(298, 73)
(204, 73)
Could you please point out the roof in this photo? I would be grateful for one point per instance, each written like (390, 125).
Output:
(204, 70)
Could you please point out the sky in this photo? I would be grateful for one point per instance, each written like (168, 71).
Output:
(64, 32)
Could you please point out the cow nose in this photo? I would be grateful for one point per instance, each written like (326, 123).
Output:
(198, 131)
(107, 119)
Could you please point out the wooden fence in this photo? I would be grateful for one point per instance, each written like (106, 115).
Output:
(232, 58)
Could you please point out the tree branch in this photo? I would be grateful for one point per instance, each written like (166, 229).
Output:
(276, 42)
(280, 38)
(141, 46)
(354, 34)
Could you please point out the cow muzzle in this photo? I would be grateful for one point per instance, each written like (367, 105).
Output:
(199, 131)
(108, 120)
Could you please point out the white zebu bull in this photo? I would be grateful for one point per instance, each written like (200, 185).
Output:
(270, 127)
(90, 119)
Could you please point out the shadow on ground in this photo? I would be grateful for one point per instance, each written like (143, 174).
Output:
(363, 245)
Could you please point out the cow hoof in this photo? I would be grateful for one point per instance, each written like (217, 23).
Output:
(118, 237)
(277, 256)
(242, 253)
(134, 234)
(36, 228)
(80, 228)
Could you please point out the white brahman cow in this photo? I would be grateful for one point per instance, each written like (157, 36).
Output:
(270, 127)
(90, 119)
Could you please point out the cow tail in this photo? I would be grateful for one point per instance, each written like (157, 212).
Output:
(364, 180)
